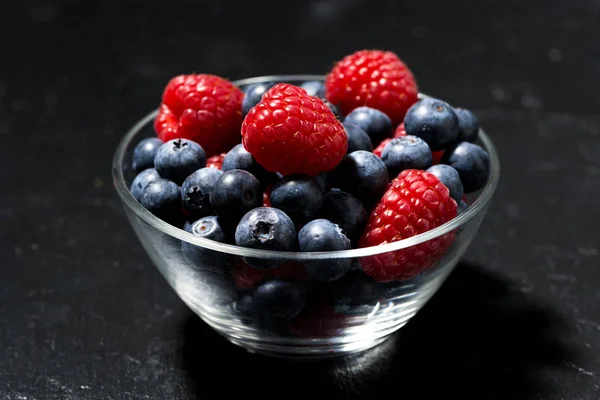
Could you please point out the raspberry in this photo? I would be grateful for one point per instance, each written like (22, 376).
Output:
(204, 108)
(216, 161)
(246, 277)
(267, 196)
(436, 156)
(400, 131)
(415, 202)
(375, 79)
(291, 132)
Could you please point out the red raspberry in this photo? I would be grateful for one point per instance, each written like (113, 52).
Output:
(216, 161)
(415, 203)
(267, 196)
(291, 132)
(375, 79)
(204, 108)
(437, 156)
(246, 277)
(400, 131)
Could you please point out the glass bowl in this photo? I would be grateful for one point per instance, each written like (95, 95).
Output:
(282, 312)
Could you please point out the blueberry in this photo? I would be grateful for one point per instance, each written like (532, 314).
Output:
(208, 228)
(235, 193)
(279, 300)
(333, 108)
(162, 198)
(144, 152)
(406, 152)
(462, 207)
(357, 138)
(377, 124)
(254, 95)
(346, 211)
(314, 88)
(363, 174)
(324, 181)
(324, 235)
(472, 163)
(468, 124)
(244, 307)
(355, 293)
(240, 158)
(178, 158)
(142, 180)
(300, 197)
(266, 228)
(434, 121)
(195, 192)
(450, 178)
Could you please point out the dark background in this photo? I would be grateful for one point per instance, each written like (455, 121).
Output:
(85, 315)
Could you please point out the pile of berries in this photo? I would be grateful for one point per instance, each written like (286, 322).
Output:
(355, 161)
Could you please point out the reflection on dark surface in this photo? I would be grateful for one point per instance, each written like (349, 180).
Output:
(477, 338)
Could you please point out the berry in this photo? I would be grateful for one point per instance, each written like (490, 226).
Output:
(362, 174)
(279, 300)
(324, 235)
(468, 124)
(244, 307)
(406, 152)
(216, 161)
(346, 211)
(293, 133)
(314, 88)
(267, 196)
(400, 131)
(415, 202)
(375, 123)
(266, 228)
(144, 152)
(324, 181)
(141, 181)
(379, 149)
(332, 108)
(246, 277)
(357, 138)
(234, 194)
(204, 108)
(472, 163)
(254, 94)
(178, 158)
(375, 79)
(355, 293)
(450, 178)
(462, 207)
(195, 192)
(207, 228)
(300, 197)
(163, 199)
(434, 121)
(240, 158)
(436, 157)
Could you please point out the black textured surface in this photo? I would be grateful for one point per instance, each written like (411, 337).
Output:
(86, 316)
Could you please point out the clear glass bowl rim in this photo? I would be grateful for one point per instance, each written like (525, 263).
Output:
(133, 205)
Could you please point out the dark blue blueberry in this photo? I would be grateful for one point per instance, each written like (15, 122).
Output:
(254, 95)
(434, 121)
(144, 152)
(333, 108)
(363, 174)
(162, 198)
(195, 192)
(449, 177)
(266, 228)
(323, 235)
(357, 138)
(462, 207)
(355, 294)
(314, 88)
(472, 163)
(141, 181)
(377, 124)
(235, 193)
(406, 152)
(345, 210)
(300, 197)
(200, 257)
(240, 158)
(468, 124)
(244, 307)
(178, 158)
(279, 300)
(324, 181)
